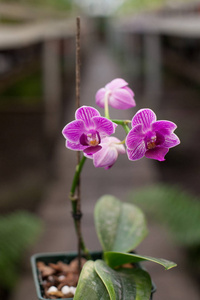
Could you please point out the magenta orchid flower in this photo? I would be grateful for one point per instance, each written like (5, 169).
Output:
(86, 132)
(149, 137)
(117, 93)
(107, 156)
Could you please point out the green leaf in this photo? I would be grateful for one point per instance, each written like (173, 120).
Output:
(173, 207)
(120, 226)
(115, 259)
(90, 286)
(141, 281)
(18, 231)
(124, 284)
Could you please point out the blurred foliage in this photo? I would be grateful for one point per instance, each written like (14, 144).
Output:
(128, 6)
(56, 4)
(27, 91)
(11, 21)
(131, 6)
(138, 5)
(176, 209)
(18, 231)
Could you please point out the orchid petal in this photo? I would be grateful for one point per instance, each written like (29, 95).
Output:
(92, 150)
(104, 126)
(121, 99)
(88, 155)
(120, 149)
(145, 117)
(112, 141)
(100, 97)
(135, 136)
(164, 127)
(115, 142)
(157, 153)
(116, 84)
(171, 141)
(74, 146)
(86, 114)
(74, 130)
(129, 91)
(118, 94)
(106, 157)
(138, 152)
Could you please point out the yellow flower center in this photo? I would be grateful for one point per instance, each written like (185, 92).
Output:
(93, 139)
(151, 144)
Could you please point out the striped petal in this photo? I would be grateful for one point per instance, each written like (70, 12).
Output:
(86, 114)
(171, 141)
(145, 117)
(138, 152)
(134, 137)
(164, 127)
(104, 126)
(75, 146)
(73, 130)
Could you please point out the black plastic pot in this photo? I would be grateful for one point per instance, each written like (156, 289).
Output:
(54, 258)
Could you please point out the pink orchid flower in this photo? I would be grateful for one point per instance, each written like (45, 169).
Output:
(117, 93)
(107, 156)
(86, 132)
(149, 137)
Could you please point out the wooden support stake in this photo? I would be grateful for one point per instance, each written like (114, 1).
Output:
(78, 64)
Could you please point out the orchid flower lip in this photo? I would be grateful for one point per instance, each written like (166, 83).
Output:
(90, 139)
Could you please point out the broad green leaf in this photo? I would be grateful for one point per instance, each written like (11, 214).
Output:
(90, 286)
(124, 284)
(120, 226)
(141, 280)
(115, 259)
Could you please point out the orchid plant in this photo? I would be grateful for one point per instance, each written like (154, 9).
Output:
(120, 226)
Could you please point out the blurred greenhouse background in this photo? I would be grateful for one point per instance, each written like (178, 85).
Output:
(155, 46)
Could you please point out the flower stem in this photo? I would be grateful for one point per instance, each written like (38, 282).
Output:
(106, 107)
(77, 177)
(123, 123)
(126, 128)
(75, 210)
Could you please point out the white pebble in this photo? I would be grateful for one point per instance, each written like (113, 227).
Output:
(61, 277)
(52, 289)
(72, 290)
(65, 289)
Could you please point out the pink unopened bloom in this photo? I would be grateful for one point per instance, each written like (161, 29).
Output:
(87, 131)
(118, 95)
(149, 137)
(107, 156)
